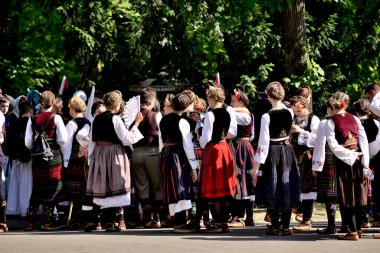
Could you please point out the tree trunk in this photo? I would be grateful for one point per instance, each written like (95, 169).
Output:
(296, 55)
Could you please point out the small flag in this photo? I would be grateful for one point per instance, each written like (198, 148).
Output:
(64, 85)
(217, 78)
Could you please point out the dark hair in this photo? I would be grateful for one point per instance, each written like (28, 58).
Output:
(95, 106)
(361, 106)
(181, 101)
(241, 96)
(147, 95)
(372, 86)
(213, 84)
(24, 107)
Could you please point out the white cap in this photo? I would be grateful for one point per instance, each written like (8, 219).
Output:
(374, 106)
(81, 94)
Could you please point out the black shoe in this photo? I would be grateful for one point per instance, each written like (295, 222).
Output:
(327, 231)
(344, 229)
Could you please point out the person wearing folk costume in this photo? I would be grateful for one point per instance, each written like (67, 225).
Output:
(244, 153)
(178, 164)
(47, 181)
(361, 110)
(74, 162)
(146, 162)
(372, 92)
(345, 130)
(109, 181)
(302, 138)
(281, 178)
(217, 179)
(3, 203)
(326, 177)
(20, 184)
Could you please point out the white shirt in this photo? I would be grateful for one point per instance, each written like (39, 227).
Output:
(82, 137)
(61, 133)
(307, 138)
(374, 147)
(188, 146)
(2, 127)
(208, 127)
(346, 155)
(264, 138)
(319, 152)
(127, 137)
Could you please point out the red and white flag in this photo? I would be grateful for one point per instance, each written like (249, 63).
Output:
(217, 78)
(64, 85)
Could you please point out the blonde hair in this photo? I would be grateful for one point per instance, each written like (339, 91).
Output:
(275, 90)
(77, 104)
(112, 100)
(217, 94)
(47, 99)
(339, 100)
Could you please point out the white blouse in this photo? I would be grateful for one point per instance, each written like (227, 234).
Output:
(307, 138)
(208, 127)
(346, 155)
(374, 147)
(188, 146)
(61, 133)
(2, 127)
(264, 138)
(127, 137)
(319, 147)
(82, 137)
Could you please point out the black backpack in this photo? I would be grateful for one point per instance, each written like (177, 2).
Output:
(40, 147)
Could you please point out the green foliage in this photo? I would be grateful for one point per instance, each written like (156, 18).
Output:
(119, 42)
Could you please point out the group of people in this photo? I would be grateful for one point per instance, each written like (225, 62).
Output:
(194, 158)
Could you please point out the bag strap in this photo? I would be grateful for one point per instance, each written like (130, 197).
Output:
(47, 123)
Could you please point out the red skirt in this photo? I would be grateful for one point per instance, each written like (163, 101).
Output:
(217, 173)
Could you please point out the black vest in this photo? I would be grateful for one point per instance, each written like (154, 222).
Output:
(221, 124)
(370, 129)
(81, 122)
(280, 123)
(169, 127)
(103, 129)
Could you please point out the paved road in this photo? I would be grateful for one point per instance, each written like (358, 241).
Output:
(141, 240)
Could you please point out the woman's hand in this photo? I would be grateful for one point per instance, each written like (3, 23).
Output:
(139, 119)
(295, 129)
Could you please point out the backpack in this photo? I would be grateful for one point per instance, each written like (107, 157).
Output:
(40, 147)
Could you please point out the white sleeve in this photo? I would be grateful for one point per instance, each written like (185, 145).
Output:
(232, 130)
(319, 148)
(83, 135)
(60, 131)
(207, 129)
(346, 155)
(308, 138)
(184, 127)
(363, 142)
(252, 129)
(243, 118)
(2, 122)
(91, 146)
(127, 137)
(263, 144)
(71, 128)
(158, 120)
(29, 134)
(374, 147)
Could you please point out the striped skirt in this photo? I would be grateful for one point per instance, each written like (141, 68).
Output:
(109, 173)
(279, 187)
(47, 180)
(217, 173)
(75, 179)
(326, 180)
(175, 174)
(244, 158)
